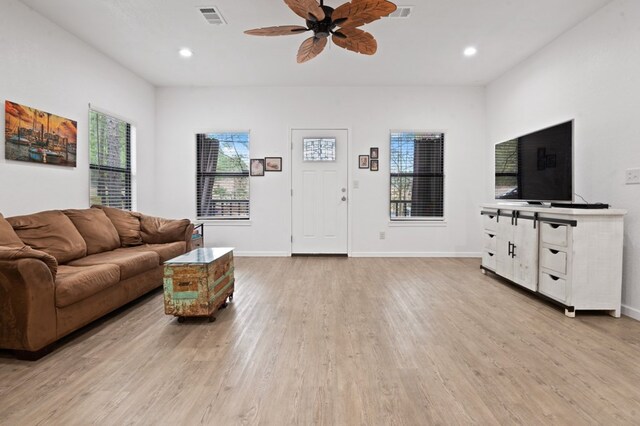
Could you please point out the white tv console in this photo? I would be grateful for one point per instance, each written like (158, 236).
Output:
(572, 256)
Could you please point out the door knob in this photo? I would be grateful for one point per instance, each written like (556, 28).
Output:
(344, 198)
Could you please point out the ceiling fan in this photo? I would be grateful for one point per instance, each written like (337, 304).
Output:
(341, 23)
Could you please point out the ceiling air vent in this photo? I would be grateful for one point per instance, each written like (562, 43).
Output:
(212, 15)
(402, 12)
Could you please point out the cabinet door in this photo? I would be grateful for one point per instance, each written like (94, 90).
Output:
(525, 260)
(504, 262)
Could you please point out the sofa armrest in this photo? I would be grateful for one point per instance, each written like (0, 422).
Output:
(27, 305)
(188, 237)
(158, 230)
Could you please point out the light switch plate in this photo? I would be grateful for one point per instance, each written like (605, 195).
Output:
(632, 176)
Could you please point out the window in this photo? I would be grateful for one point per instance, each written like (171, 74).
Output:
(507, 176)
(417, 176)
(222, 182)
(110, 141)
(319, 149)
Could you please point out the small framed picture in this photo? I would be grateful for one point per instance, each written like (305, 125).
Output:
(273, 164)
(373, 152)
(363, 161)
(374, 165)
(257, 167)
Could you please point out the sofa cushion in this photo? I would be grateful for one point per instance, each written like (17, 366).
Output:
(95, 227)
(165, 251)
(127, 225)
(156, 230)
(51, 232)
(8, 237)
(75, 283)
(130, 264)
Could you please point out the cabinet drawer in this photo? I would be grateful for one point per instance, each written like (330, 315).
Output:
(555, 260)
(490, 221)
(552, 286)
(554, 234)
(489, 260)
(490, 239)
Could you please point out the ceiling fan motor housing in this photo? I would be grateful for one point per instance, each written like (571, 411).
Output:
(322, 29)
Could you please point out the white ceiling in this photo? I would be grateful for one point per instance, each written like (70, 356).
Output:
(426, 49)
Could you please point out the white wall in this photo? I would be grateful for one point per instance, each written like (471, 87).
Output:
(45, 67)
(369, 113)
(590, 74)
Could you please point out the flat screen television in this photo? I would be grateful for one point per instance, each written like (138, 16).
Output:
(536, 167)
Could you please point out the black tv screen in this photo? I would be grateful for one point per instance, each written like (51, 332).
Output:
(537, 166)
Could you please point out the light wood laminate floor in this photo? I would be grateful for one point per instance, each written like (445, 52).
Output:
(339, 341)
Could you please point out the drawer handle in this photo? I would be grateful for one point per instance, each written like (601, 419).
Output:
(490, 235)
(554, 251)
(554, 226)
(554, 278)
(490, 254)
(491, 217)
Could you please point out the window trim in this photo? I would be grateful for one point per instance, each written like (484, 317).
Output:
(223, 220)
(131, 176)
(420, 221)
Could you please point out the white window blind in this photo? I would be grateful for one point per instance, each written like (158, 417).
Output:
(110, 161)
(417, 176)
(222, 181)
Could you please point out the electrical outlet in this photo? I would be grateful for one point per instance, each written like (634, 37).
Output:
(382, 235)
(632, 176)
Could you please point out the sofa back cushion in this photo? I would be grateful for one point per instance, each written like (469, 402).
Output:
(8, 237)
(51, 232)
(156, 230)
(126, 223)
(96, 229)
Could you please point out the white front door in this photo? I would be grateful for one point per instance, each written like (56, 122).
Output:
(319, 191)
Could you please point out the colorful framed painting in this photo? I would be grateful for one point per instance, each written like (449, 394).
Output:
(39, 137)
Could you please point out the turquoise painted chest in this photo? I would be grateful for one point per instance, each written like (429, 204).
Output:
(198, 283)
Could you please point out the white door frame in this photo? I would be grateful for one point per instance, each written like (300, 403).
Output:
(349, 179)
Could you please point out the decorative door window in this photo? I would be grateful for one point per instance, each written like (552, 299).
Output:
(319, 149)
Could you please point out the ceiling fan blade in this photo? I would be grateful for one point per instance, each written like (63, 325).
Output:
(360, 12)
(311, 48)
(356, 40)
(303, 8)
(277, 31)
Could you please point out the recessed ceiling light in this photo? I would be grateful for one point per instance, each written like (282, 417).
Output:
(470, 51)
(186, 53)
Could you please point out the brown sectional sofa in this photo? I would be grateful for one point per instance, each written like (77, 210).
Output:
(60, 270)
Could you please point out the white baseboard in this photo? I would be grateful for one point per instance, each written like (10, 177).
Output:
(363, 254)
(415, 254)
(631, 312)
(261, 254)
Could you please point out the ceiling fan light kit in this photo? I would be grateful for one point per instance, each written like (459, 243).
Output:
(340, 24)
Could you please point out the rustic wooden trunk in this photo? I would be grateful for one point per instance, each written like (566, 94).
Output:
(198, 283)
